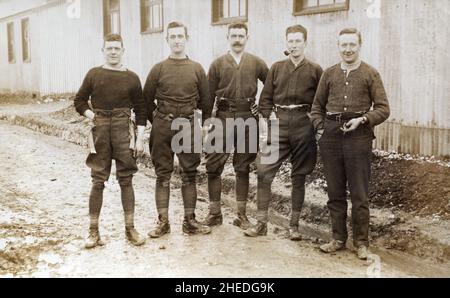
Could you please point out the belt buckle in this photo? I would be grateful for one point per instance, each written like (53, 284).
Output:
(339, 118)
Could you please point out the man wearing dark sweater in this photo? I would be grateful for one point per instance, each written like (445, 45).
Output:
(179, 87)
(349, 102)
(289, 92)
(233, 83)
(113, 91)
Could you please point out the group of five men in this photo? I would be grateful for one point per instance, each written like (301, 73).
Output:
(338, 108)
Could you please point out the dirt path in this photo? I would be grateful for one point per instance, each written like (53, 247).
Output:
(44, 186)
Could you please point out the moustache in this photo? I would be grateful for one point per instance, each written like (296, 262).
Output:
(237, 44)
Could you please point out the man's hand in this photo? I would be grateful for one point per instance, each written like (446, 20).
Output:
(139, 151)
(89, 114)
(352, 125)
(319, 134)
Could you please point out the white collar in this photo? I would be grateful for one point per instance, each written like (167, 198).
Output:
(122, 68)
(351, 67)
(237, 58)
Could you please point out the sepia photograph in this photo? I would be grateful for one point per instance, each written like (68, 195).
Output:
(234, 141)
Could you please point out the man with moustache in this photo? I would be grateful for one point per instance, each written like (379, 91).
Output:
(179, 86)
(289, 92)
(349, 102)
(113, 91)
(233, 83)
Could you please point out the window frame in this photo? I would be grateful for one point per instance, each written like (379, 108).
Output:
(107, 28)
(11, 42)
(26, 44)
(216, 19)
(298, 11)
(144, 13)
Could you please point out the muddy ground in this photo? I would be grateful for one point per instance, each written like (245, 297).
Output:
(43, 220)
(24, 98)
(418, 186)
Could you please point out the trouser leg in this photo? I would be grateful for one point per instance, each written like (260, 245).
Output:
(331, 149)
(100, 165)
(162, 158)
(215, 163)
(357, 155)
(267, 172)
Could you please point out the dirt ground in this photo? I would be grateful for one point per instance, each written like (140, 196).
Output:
(421, 188)
(418, 186)
(44, 187)
(24, 98)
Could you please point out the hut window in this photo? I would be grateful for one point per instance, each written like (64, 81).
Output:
(26, 49)
(11, 47)
(111, 16)
(152, 16)
(227, 11)
(303, 7)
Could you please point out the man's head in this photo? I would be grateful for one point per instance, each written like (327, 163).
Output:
(237, 36)
(113, 49)
(296, 40)
(349, 44)
(177, 36)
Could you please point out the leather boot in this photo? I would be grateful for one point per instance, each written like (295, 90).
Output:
(134, 237)
(213, 220)
(242, 221)
(214, 217)
(93, 239)
(294, 234)
(333, 246)
(191, 226)
(260, 229)
(162, 228)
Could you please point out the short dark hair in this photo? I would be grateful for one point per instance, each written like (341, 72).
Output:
(238, 25)
(297, 28)
(113, 37)
(352, 31)
(177, 25)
